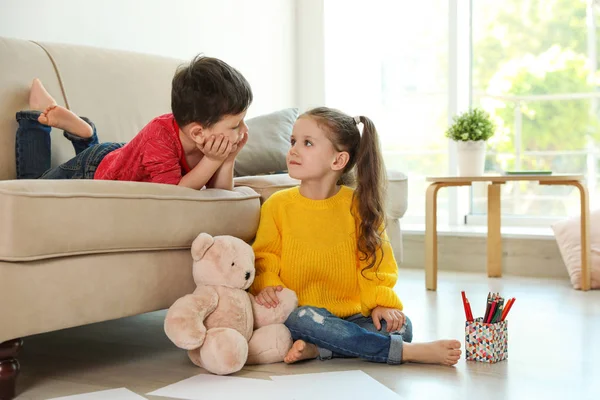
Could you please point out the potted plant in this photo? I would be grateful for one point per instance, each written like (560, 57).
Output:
(470, 130)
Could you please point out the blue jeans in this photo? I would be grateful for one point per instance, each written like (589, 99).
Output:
(33, 151)
(355, 336)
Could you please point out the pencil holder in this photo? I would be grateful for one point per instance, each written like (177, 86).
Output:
(486, 342)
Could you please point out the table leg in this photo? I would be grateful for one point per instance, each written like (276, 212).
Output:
(431, 251)
(586, 255)
(494, 235)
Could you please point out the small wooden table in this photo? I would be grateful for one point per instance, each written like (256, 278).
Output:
(494, 238)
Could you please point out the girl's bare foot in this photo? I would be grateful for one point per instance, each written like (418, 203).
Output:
(444, 352)
(39, 98)
(59, 117)
(301, 351)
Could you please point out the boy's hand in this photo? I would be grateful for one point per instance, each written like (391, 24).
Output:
(393, 317)
(235, 150)
(215, 148)
(268, 296)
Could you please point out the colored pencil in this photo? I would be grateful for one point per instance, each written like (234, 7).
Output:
(469, 312)
(492, 309)
(512, 301)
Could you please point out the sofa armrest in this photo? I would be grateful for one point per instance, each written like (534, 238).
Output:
(397, 194)
(266, 185)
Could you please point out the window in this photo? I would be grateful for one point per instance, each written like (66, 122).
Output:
(534, 70)
(533, 66)
(387, 60)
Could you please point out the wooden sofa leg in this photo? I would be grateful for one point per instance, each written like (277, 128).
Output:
(9, 368)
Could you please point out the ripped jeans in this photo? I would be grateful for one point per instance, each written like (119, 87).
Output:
(355, 336)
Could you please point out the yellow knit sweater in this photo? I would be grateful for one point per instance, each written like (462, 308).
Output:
(310, 247)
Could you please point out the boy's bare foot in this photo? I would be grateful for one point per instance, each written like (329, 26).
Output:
(39, 98)
(444, 352)
(53, 115)
(301, 351)
(59, 117)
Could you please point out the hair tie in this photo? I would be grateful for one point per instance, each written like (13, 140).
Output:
(357, 120)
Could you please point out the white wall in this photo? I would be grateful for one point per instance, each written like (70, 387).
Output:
(310, 50)
(257, 37)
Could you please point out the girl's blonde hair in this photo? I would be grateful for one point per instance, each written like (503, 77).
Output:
(365, 171)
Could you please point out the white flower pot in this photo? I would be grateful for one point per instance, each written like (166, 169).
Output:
(471, 157)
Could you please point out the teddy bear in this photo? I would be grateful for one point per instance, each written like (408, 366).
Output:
(220, 323)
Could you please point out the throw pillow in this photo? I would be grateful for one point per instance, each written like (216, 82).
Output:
(568, 238)
(268, 143)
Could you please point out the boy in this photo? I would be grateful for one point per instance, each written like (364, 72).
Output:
(194, 146)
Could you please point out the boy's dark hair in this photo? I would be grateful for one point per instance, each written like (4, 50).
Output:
(206, 90)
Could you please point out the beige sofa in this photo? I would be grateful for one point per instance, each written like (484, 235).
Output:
(78, 252)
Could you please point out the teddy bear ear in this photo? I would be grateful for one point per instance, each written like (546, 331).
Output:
(200, 245)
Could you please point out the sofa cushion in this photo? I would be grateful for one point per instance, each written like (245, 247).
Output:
(268, 143)
(53, 218)
(266, 185)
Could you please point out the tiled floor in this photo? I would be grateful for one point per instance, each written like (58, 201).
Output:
(554, 348)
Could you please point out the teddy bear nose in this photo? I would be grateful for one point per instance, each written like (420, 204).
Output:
(247, 275)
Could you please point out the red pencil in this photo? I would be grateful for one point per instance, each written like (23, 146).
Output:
(492, 309)
(469, 312)
(464, 300)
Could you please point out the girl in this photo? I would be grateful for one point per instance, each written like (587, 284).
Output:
(326, 242)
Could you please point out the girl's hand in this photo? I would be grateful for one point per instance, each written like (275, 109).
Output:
(268, 296)
(393, 317)
(215, 148)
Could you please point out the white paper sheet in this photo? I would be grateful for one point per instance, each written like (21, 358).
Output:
(206, 386)
(112, 394)
(347, 385)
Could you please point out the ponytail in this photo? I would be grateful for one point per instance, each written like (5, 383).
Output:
(368, 195)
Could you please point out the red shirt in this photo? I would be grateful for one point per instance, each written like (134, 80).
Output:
(155, 154)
